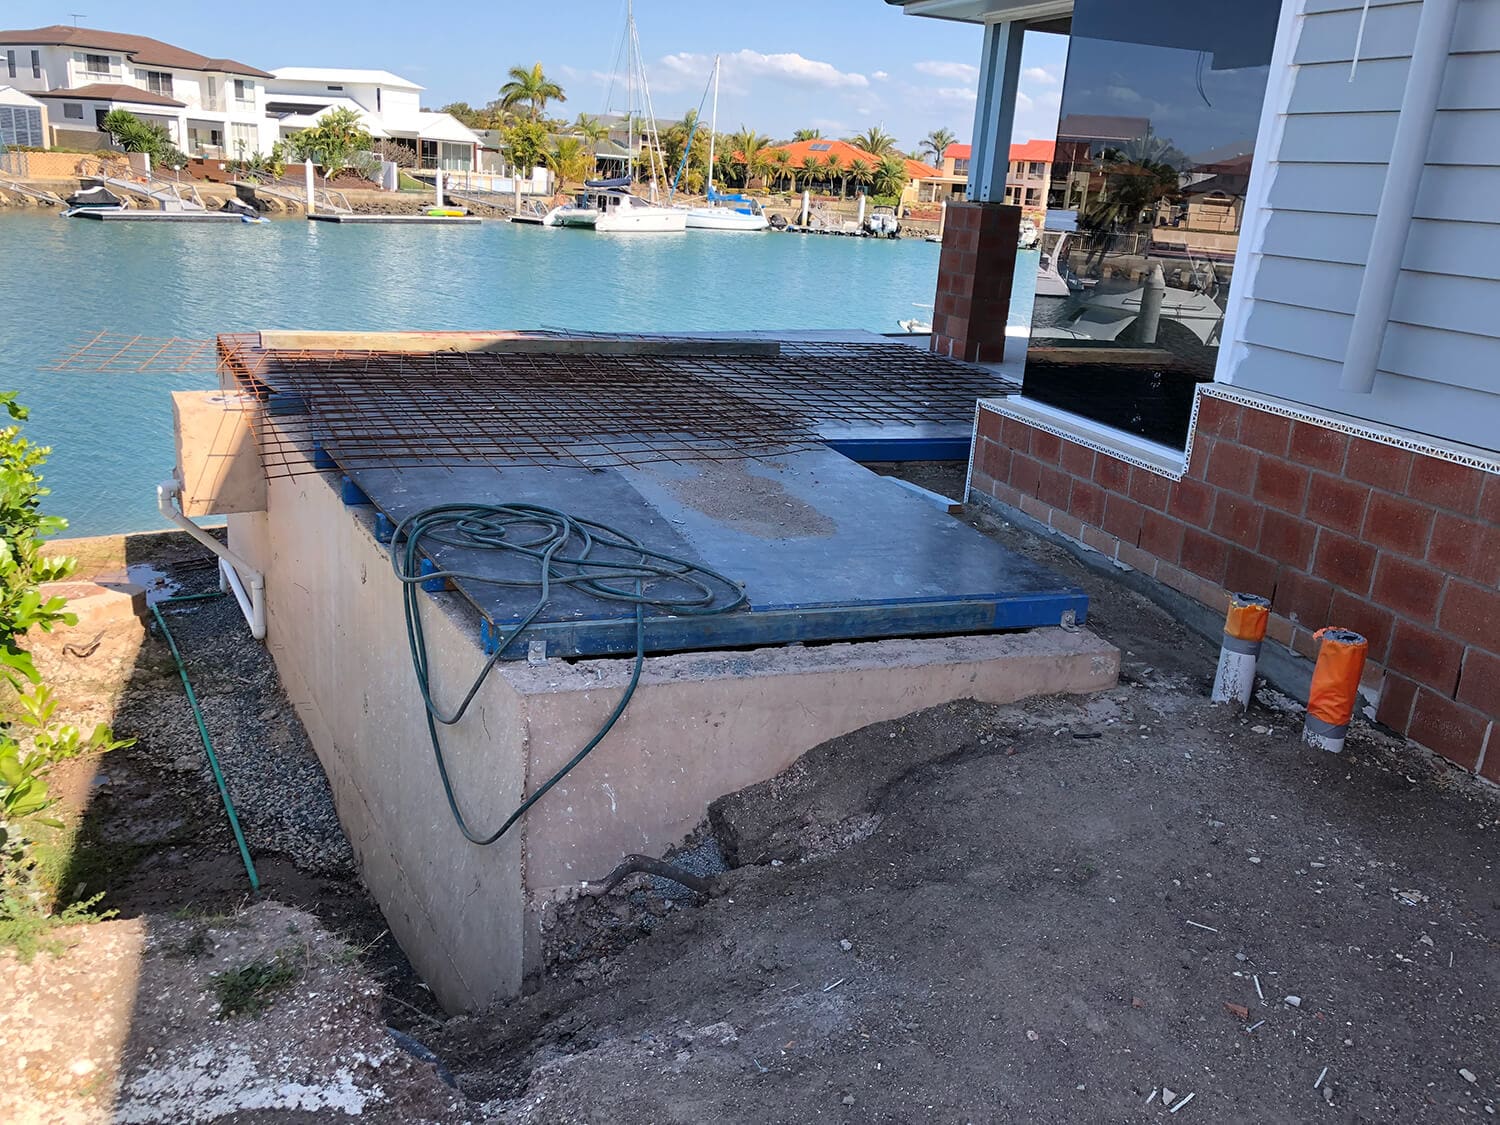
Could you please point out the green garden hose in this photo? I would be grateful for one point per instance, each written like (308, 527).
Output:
(208, 746)
(566, 551)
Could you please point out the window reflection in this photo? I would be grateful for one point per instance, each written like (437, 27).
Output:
(1160, 107)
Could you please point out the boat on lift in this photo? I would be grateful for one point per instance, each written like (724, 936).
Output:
(95, 198)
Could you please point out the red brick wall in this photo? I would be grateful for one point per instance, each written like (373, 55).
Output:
(975, 272)
(1336, 529)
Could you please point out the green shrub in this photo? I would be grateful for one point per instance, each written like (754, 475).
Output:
(31, 742)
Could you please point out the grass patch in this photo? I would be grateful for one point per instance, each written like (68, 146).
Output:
(30, 932)
(250, 989)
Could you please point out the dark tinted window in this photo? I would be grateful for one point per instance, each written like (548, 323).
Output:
(1160, 107)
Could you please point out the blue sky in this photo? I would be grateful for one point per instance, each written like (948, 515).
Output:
(839, 65)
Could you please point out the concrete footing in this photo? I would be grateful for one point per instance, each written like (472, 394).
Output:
(700, 725)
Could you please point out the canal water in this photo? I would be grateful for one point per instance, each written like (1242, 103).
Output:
(63, 281)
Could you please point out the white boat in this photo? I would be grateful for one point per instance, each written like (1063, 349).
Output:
(722, 212)
(727, 212)
(1030, 236)
(1053, 277)
(1106, 316)
(882, 223)
(609, 206)
(619, 211)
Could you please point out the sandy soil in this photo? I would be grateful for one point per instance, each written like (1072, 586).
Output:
(1072, 910)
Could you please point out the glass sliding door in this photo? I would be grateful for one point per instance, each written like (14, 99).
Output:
(1156, 136)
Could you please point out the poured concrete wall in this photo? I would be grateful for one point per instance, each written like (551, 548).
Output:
(700, 725)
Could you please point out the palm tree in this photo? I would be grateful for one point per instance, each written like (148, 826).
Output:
(781, 165)
(834, 167)
(874, 140)
(749, 152)
(807, 135)
(890, 177)
(862, 172)
(528, 86)
(936, 143)
(592, 130)
(571, 160)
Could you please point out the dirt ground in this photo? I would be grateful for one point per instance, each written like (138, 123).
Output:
(1070, 910)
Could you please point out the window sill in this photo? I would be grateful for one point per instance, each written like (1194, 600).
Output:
(1138, 451)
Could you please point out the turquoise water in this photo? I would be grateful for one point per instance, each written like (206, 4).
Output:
(62, 281)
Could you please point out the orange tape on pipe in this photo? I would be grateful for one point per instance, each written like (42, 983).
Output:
(1335, 682)
(1247, 617)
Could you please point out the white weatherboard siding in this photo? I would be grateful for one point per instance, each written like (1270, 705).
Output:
(1439, 370)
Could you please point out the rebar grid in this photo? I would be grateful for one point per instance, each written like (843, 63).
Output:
(122, 353)
(368, 409)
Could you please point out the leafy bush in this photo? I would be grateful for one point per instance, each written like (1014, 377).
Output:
(399, 154)
(884, 200)
(31, 743)
(334, 142)
(134, 135)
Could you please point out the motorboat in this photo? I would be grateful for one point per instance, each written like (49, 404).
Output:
(1054, 278)
(1106, 315)
(95, 198)
(916, 325)
(882, 223)
(1030, 236)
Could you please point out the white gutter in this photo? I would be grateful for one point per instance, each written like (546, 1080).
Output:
(231, 566)
(1398, 199)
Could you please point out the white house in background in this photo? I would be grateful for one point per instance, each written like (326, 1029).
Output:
(389, 105)
(209, 106)
(23, 119)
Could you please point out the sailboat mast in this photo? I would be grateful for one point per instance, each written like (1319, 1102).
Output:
(713, 127)
(630, 88)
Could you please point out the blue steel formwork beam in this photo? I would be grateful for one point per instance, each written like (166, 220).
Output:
(995, 113)
(825, 550)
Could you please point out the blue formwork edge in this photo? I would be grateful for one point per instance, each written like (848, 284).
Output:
(901, 449)
(354, 496)
(489, 636)
(385, 530)
(433, 585)
(322, 459)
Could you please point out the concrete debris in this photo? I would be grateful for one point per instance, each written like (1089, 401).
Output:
(1168, 1095)
(1468, 1075)
(845, 944)
(1292, 1001)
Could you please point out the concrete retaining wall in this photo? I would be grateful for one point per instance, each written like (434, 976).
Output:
(700, 725)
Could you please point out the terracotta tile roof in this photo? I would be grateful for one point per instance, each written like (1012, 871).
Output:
(112, 92)
(916, 170)
(141, 50)
(1044, 151)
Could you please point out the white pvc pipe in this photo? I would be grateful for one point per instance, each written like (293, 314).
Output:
(437, 187)
(231, 565)
(1403, 178)
(861, 219)
(307, 171)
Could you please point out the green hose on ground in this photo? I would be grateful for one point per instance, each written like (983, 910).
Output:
(208, 746)
(565, 551)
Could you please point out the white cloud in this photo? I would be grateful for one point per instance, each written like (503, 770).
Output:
(880, 76)
(950, 71)
(684, 68)
(1039, 75)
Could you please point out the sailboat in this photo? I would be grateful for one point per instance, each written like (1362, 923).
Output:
(611, 206)
(724, 212)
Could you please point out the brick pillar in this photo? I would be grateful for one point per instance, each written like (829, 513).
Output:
(975, 272)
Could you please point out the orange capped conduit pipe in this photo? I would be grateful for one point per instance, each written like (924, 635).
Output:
(1335, 688)
(1244, 630)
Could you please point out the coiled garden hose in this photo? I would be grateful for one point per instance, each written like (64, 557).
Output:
(565, 551)
(208, 746)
